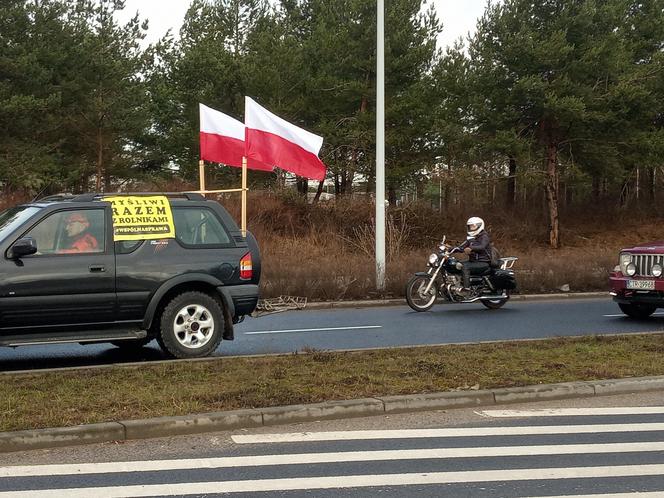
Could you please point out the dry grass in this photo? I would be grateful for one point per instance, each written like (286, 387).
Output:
(79, 397)
(325, 251)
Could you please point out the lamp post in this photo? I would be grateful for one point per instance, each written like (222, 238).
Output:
(380, 146)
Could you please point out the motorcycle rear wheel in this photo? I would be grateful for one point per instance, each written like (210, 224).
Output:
(495, 304)
(415, 293)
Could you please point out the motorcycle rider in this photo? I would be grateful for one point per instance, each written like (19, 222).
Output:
(477, 246)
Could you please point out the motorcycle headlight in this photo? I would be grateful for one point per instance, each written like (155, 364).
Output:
(433, 259)
(625, 259)
(656, 270)
(630, 271)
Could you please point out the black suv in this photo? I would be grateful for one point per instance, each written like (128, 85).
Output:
(59, 285)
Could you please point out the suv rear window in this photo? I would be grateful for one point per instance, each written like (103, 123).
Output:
(198, 226)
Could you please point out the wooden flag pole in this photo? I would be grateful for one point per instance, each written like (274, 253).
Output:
(201, 176)
(244, 196)
(244, 190)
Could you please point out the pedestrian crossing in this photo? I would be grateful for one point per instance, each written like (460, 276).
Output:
(604, 452)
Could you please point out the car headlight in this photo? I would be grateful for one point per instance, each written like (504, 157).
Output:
(656, 270)
(630, 271)
(433, 259)
(625, 259)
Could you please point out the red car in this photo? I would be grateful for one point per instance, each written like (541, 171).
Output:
(637, 284)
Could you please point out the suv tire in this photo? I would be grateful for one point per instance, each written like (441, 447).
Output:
(638, 311)
(191, 326)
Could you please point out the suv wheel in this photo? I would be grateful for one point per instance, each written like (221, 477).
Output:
(638, 311)
(191, 326)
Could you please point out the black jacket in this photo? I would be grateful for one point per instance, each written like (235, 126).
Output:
(481, 247)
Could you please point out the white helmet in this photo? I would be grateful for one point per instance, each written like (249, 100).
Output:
(474, 226)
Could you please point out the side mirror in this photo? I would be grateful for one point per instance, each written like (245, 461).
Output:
(22, 247)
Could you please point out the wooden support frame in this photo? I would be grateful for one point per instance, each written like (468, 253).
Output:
(244, 189)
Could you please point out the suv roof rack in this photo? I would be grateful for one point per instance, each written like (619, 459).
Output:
(190, 196)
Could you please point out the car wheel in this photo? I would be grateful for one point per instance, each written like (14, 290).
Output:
(191, 326)
(639, 311)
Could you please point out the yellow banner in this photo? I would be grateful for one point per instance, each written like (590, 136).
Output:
(141, 218)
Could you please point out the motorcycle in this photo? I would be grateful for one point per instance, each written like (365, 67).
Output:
(444, 279)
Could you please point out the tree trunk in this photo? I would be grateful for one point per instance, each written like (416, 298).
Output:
(447, 193)
(651, 178)
(597, 187)
(391, 195)
(108, 187)
(511, 184)
(370, 183)
(319, 191)
(100, 160)
(552, 191)
(302, 186)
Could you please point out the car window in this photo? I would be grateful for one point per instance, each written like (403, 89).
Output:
(199, 227)
(11, 219)
(71, 232)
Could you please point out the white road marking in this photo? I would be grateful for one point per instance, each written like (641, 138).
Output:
(571, 412)
(636, 494)
(618, 315)
(311, 458)
(323, 329)
(339, 482)
(299, 437)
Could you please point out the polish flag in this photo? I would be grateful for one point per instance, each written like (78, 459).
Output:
(222, 140)
(272, 140)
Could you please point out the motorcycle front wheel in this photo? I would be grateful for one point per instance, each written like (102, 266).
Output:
(415, 295)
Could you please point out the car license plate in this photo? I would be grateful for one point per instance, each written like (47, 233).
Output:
(641, 284)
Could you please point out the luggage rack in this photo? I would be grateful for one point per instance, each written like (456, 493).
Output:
(93, 196)
(279, 305)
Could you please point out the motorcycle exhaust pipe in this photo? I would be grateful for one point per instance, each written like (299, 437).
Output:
(484, 298)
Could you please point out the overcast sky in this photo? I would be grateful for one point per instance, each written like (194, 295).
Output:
(458, 16)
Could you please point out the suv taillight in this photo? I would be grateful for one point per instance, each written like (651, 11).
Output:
(246, 270)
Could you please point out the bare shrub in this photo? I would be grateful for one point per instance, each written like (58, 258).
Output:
(397, 236)
(326, 251)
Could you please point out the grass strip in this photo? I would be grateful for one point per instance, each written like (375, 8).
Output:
(87, 396)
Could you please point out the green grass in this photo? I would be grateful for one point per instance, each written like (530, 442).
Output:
(57, 399)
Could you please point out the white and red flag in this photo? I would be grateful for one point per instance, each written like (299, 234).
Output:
(222, 140)
(270, 139)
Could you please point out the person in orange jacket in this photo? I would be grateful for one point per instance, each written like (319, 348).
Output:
(76, 226)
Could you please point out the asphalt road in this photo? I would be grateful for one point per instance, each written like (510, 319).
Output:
(600, 446)
(375, 327)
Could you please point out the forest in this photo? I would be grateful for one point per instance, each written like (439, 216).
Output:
(547, 120)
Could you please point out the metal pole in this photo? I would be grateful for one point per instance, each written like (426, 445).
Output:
(201, 176)
(244, 196)
(380, 146)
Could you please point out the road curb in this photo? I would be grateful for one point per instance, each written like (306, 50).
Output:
(259, 417)
(321, 305)
(61, 436)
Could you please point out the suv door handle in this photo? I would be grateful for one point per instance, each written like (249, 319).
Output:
(97, 268)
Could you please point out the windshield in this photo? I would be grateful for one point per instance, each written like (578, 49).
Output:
(11, 218)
